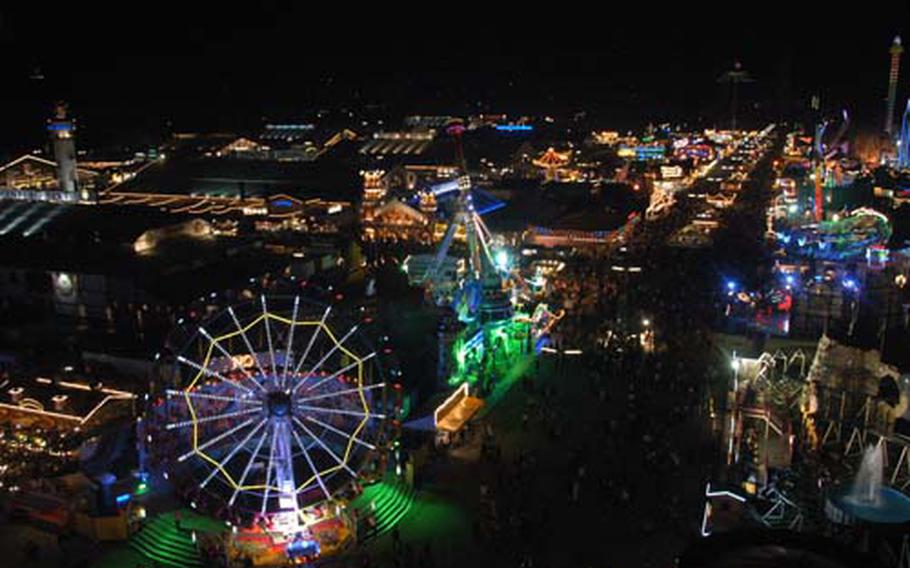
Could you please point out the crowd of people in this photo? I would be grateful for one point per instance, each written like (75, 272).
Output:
(618, 434)
(602, 455)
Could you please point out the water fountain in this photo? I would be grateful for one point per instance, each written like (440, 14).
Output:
(868, 482)
(868, 499)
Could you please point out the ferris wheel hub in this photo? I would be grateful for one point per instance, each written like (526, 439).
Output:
(278, 404)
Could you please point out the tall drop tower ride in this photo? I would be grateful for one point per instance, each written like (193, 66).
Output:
(896, 50)
(62, 131)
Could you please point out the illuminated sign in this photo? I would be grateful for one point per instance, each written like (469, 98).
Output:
(243, 361)
(671, 172)
(606, 137)
(290, 126)
(514, 127)
(642, 153)
(60, 126)
(649, 152)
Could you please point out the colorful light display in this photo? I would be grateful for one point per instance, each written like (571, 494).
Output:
(276, 414)
(481, 353)
(893, 73)
(838, 239)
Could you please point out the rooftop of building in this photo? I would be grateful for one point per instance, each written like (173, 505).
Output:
(567, 206)
(74, 400)
(232, 177)
(84, 239)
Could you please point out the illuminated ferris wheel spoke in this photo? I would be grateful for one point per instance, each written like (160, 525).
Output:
(331, 428)
(254, 428)
(341, 392)
(339, 372)
(205, 419)
(205, 396)
(323, 445)
(216, 439)
(210, 373)
(340, 411)
(246, 342)
(325, 358)
(268, 335)
(229, 357)
(315, 334)
(268, 470)
(232, 453)
(246, 469)
(478, 229)
(309, 460)
(290, 341)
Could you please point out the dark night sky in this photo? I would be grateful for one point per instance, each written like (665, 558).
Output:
(221, 67)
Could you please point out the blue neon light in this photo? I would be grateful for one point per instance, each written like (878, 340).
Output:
(491, 207)
(474, 341)
(60, 126)
(445, 187)
(514, 127)
(123, 499)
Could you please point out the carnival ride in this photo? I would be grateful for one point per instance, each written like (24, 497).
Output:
(487, 335)
(273, 417)
(480, 292)
(840, 238)
(825, 157)
(903, 143)
(552, 162)
(767, 310)
(480, 295)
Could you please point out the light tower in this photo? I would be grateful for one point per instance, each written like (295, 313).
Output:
(735, 76)
(896, 50)
(61, 130)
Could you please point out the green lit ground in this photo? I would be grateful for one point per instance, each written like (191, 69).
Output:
(390, 500)
(437, 516)
(160, 542)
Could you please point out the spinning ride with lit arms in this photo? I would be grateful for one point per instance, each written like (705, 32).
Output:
(825, 154)
(273, 410)
(848, 237)
(481, 294)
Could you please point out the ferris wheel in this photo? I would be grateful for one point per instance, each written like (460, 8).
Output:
(274, 410)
